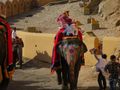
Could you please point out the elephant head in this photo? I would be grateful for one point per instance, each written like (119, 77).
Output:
(70, 50)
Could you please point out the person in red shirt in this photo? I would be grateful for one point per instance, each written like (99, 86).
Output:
(61, 20)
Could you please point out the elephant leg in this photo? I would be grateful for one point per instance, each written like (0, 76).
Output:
(59, 77)
(77, 69)
(5, 81)
(64, 73)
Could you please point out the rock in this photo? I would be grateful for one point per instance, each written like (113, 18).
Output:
(117, 23)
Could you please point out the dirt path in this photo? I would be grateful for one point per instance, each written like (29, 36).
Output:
(40, 79)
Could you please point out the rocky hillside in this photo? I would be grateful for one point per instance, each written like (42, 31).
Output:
(110, 11)
(44, 19)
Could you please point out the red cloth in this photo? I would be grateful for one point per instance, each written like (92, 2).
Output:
(9, 41)
(80, 35)
(1, 27)
(58, 37)
(63, 20)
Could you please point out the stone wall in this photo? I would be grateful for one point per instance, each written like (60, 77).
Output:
(43, 2)
(42, 43)
(2, 8)
(10, 8)
(111, 45)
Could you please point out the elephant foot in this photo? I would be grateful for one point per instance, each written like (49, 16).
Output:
(73, 89)
(59, 83)
(65, 87)
(20, 67)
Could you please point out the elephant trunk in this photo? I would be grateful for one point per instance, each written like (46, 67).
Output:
(72, 76)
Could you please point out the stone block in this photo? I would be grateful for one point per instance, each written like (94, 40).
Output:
(31, 29)
(89, 20)
(95, 26)
(86, 11)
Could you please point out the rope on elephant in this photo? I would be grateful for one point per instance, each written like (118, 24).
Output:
(72, 41)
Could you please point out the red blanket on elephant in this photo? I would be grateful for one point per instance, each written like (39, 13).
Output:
(7, 65)
(9, 40)
(55, 54)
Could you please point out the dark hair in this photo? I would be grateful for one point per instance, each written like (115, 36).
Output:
(104, 56)
(14, 28)
(113, 57)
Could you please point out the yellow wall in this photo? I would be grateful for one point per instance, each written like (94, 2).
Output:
(91, 43)
(110, 44)
(44, 43)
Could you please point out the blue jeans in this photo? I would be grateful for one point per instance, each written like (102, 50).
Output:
(101, 81)
(113, 83)
(119, 82)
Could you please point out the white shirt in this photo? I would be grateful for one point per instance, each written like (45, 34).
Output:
(100, 65)
(13, 34)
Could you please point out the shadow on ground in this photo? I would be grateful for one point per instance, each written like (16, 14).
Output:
(23, 85)
(93, 88)
(28, 85)
(41, 60)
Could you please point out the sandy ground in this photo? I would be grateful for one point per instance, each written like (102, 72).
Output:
(41, 78)
(36, 75)
(34, 78)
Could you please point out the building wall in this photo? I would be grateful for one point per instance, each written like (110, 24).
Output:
(2, 8)
(15, 7)
(8, 9)
(27, 5)
(21, 6)
(43, 2)
(36, 42)
(91, 42)
(111, 45)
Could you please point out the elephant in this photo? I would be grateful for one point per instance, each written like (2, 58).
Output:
(3, 56)
(71, 51)
(6, 64)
